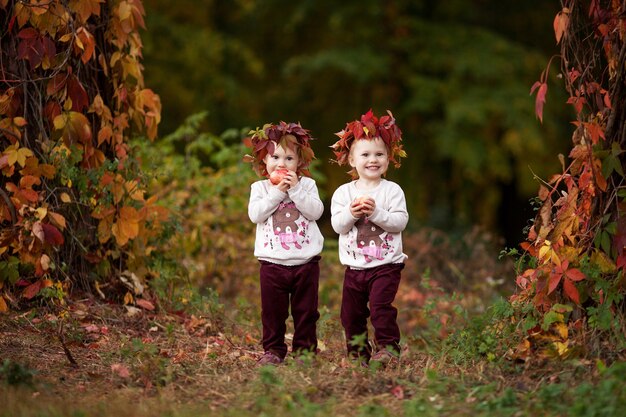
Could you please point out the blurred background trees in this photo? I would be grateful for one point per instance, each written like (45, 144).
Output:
(456, 74)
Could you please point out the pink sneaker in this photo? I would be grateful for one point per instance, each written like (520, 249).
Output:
(384, 357)
(269, 358)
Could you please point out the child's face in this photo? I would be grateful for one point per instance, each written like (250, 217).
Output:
(281, 159)
(369, 157)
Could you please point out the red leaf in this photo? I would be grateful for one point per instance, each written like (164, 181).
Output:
(540, 99)
(77, 93)
(575, 274)
(571, 291)
(28, 33)
(53, 236)
(555, 278)
(144, 304)
(595, 131)
(560, 23)
(32, 290)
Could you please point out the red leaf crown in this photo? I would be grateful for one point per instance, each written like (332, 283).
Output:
(263, 142)
(370, 127)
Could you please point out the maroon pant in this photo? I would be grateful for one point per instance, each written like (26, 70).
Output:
(284, 285)
(378, 287)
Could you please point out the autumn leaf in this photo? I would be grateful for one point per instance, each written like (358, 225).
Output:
(52, 235)
(38, 232)
(18, 155)
(86, 43)
(145, 304)
(540, 99)
(32, 290)
(57, 219)
(80, 100)
(560, 23)
(3, 305)
(127, 225)
(45, 262)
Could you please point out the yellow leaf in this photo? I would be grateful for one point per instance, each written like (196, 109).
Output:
(544, 249)
(65, 197)
(59, 122)
(19, 121)
(118, 232)
(41, 213)
(561, 330)
(3, 305)
(57, 219)
(562, 348)
(128, 298)
(606, 265)
(104, 230)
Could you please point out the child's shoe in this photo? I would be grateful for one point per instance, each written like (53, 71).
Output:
(269, 358)
(383, 357)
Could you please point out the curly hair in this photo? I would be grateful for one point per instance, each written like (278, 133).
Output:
(369, 127)
(288, 135)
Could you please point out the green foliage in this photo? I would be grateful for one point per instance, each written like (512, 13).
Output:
(457, 82)
(16, 374)
(487, 336)
(201, 177)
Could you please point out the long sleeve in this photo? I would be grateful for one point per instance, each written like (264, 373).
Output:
(286, 228)
(306, 198)
(375, 240)
(262, 204)
(341, 218)
(394, 217)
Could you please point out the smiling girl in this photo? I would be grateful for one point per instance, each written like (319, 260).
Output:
(369, 214)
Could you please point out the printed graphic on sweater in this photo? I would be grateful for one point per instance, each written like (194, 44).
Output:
(288, 232)
(369, 240)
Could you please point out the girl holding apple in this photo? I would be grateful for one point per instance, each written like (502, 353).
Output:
(369, 214)
(285, 206)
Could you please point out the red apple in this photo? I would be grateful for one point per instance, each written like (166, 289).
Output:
(277, 176)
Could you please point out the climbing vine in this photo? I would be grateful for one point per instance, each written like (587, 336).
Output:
(74, 212)
(575, 248)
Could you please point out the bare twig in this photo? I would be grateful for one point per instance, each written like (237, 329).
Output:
(70, 358)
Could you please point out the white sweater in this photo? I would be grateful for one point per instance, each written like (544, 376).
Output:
(376, 240)
(286, 228)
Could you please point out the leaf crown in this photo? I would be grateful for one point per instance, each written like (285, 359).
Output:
(288, 135)
(370, 127)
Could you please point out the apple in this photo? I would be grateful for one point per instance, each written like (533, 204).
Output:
(277, 175)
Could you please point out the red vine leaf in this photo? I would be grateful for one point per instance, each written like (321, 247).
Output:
(52, 235)
(540, 99)
(560, 23)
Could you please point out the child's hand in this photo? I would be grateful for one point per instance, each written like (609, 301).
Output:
(290, 180)
(362, 206)
(368, 205)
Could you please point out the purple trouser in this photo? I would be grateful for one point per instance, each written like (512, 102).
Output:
(281, 286)
(378, 286)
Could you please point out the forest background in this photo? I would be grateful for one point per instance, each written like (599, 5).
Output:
(457, 75)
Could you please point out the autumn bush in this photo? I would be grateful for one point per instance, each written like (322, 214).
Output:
(74, 211)
(571, 282)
